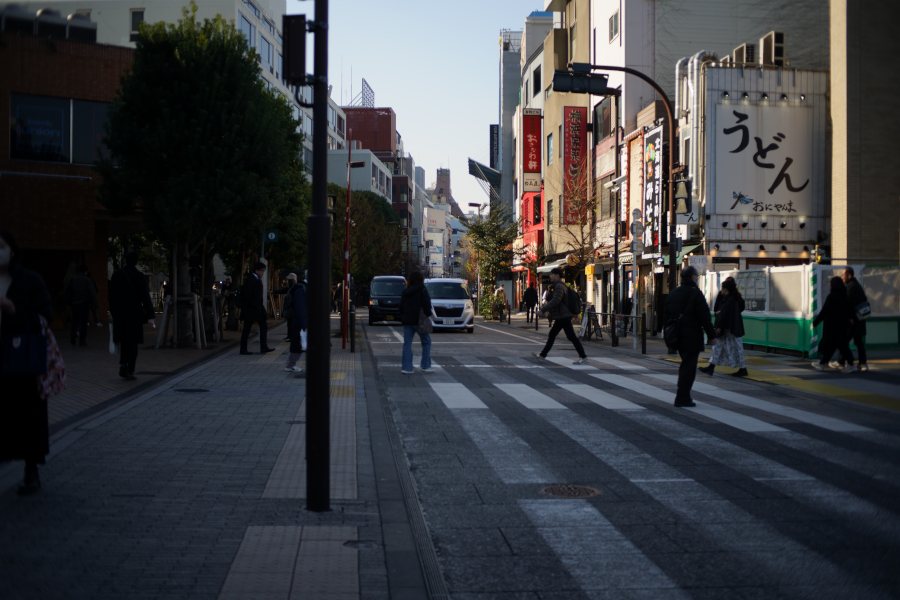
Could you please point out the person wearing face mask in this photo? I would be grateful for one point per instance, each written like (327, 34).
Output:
(24, 431)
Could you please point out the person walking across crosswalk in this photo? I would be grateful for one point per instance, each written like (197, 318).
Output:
(557, 308)
(688, 313)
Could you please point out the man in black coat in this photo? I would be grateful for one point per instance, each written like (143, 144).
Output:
(856, 295)
(531, 299)
(687, 302)
(253, 309)
(130, 307)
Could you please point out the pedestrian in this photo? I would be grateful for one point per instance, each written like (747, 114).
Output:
(130, 307)
(836, 315)
(856, 295)
(687, 310)
(729, 330)
(500, 299)
(94, 309)
(24, 429)
(557, 310)
(253, 309)
(81, 296)
(334, 299)
(295, 312)
(530, 298)
(415, 301)
(720, 298)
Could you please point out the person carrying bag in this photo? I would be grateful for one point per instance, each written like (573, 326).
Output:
(729, 328)
(415, 311)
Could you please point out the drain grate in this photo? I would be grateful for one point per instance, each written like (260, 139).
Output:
(191, 390)
(570, 491)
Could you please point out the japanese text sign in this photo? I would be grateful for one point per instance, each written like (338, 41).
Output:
(531, 149)
(653, 182)
(763, 160)
(574, 150)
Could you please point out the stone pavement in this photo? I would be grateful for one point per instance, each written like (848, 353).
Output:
(195, 489)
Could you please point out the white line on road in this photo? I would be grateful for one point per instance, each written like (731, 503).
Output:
(397, 335)
(736, 420)
(771, 407)
(567, 362)
(528, 396)
(456, 395)
(505, 333)
(620, 363)
(600, 397)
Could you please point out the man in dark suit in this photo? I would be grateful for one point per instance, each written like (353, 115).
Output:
(253, 310)
(688, 306)
(130, 307)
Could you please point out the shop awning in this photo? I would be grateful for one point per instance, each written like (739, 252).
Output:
(685, 250)
(551, 265)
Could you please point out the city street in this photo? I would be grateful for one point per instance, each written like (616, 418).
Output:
(496, 476)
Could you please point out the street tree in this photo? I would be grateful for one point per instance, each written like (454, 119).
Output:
(492, 237)
(197, 144)
(576, 233)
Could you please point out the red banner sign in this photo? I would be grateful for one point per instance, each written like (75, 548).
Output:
(574, 150)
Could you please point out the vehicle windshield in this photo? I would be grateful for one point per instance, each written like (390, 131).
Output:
(388, 287)
(448, 291)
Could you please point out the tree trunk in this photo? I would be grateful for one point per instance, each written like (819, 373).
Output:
(185, 314)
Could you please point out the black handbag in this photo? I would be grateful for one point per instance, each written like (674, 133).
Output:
(670, 330)
(23, 354)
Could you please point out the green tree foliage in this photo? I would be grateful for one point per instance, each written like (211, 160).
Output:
(374, 235)
(196, 142)
(491, 237)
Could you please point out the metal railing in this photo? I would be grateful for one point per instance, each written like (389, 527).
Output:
(617, 326)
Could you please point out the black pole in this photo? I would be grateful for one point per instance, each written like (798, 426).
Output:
(643, 333)
(352, 329)
(318, 360)
(673, 278)
(615, 335)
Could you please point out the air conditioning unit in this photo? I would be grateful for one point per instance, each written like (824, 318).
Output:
(771, 49)
(50, 24)
(745, 53)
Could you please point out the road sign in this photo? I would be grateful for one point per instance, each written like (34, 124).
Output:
(271, 235)
(638, 247)
(637, 229)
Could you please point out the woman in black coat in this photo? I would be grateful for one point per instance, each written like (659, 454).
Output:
(415, 298)
(130, 307)
(836, 315)
(729, 328)
(24, 431)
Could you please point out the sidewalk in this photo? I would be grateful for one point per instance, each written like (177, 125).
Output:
(196, 489)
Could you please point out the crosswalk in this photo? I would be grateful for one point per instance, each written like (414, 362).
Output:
(732, 471)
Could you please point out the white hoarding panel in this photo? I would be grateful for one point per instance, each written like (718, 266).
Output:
(764, 160)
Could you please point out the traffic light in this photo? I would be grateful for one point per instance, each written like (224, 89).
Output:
(683, 200)
(678, 244)
(581, 82)
(294, 29)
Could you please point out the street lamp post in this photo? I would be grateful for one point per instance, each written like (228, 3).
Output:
(345, 295)
(477, 259)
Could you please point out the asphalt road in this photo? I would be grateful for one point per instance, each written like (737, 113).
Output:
(760, 491)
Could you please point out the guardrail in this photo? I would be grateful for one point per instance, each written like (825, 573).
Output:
(617, 326)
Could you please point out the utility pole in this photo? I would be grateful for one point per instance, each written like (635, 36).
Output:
(345, 299)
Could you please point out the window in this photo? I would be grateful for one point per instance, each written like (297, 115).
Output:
(137, 17)
(88, 131)
(279, 66)
(252, 8)
(526, 89)
(307, 125)
(247, 29)
(536, 83)
(266, 53)
(269, 26)
(604, 119)
(550, 212)
(572, 40)
(39, 128)
(559, 142)
(536, 210)
(308, 158)
(607, 199)
(340, 125)
(550, 149)
(614, 26)
(374, 173)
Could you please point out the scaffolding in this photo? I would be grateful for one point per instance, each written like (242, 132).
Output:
(366, 98)
(511, 41)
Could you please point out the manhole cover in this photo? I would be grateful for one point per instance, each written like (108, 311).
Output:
(570, 491)
(191, 390)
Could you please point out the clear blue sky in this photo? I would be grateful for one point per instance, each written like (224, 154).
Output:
(435, 62)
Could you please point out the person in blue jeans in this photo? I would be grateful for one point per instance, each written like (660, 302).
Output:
(415, 298)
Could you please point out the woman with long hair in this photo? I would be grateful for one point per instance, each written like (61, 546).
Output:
(729, 328)
(24, 429)
(415, 300)
(836, 314)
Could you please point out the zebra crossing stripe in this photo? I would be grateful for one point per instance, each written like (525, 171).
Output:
(567, 362)
(620, 364)
(733, 419)
(528, 396)
(771, 407)
(600, 397)
(456, 396)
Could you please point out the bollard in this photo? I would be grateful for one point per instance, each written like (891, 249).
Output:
(643, 333)
(614, 332)
(508, 316)
(352, 328)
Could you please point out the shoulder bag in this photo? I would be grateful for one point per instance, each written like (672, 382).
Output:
(24, 353)
(670, 329)
(425, 324)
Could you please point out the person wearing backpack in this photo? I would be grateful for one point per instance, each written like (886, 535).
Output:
(857, 297)
(687, 317)
(295, 313)
(559, 309)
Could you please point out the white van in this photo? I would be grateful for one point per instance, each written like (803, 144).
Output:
(451, 304)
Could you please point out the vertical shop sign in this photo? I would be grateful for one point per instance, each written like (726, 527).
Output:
(531, 150)
(495, 146)
(653, 152)
(574, 151)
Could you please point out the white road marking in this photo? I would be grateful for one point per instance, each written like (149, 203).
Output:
(511, 458)
(620, 363)
(396, 335)
(456, 396)
(567, 362)
(528, 396)
(736, 420)
(771, 407)
(505, 333)
(600, 397)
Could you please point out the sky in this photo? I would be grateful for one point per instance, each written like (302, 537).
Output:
(435, 62)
